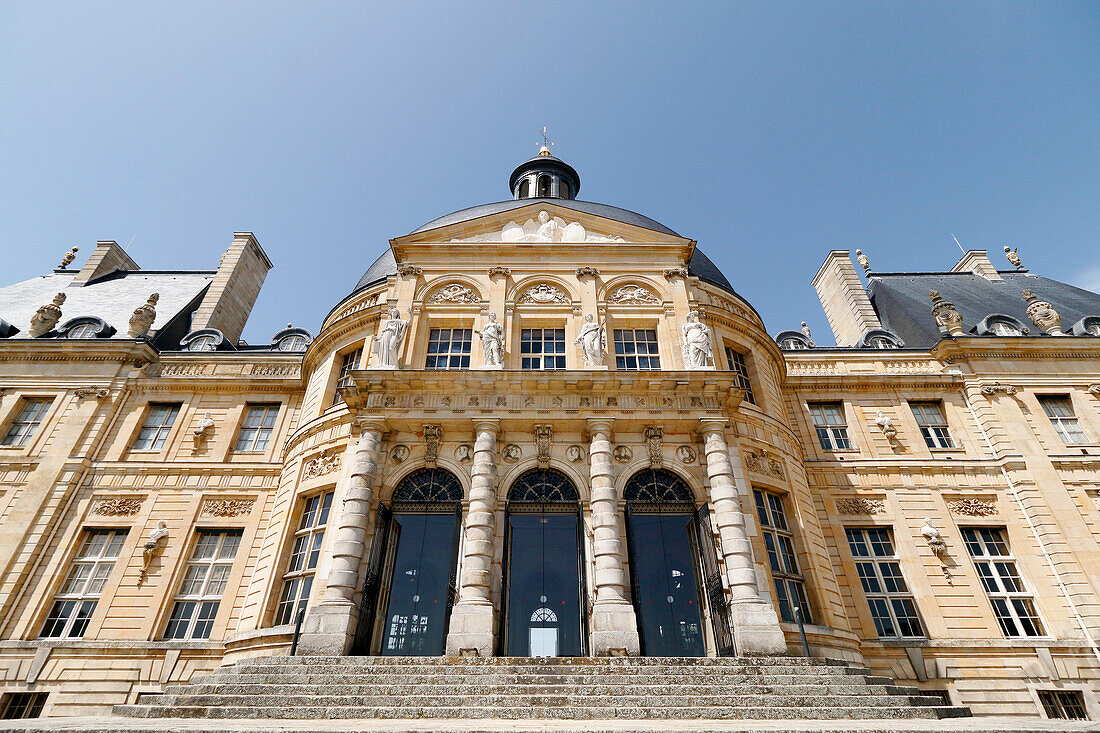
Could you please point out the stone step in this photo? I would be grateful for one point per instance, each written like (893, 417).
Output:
(458, 679)
(514, 699)
(549, 713)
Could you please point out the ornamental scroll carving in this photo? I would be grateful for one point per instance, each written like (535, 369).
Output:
(409, 270)
(96, 392)
(858, 505)
(973, 507)
(227, 507)
(764, 464)
(118, 507)
(992, 389)
(626, 294)
(323, 464)
(454, 293)
(542, 294)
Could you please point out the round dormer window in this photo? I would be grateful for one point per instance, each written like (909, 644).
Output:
(203, 343)
(793, 344)
(83, 331)
(1000, 328)
(881, 342)
(295, 342)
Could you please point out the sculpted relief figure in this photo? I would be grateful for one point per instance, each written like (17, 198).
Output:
(389, 341)
(492, 342)
(696, 343)
(593, 339)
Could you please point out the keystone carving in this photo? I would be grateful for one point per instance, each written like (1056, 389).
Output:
(1043, 315)
(407, 270)
(654, 439)
(857, 506)
(544, 438)
(433, 438)
(143, 317)
(46, 317)
(947, 316)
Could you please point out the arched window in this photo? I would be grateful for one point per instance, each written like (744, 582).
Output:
(1003, 328)
(880, 342)
(543, 486)
(83, 331)
(524, 189)
(563, 189)
(428, 486)
(544, 187)
(793, 344)
(544, 616)
(203, 343)
(657, 486)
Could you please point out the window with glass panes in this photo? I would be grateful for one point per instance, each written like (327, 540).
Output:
(790, 588)
(1064, 704)
(259, 422)
(1012, 604)
(636, 349)
(26, 421)
(933, 424)
(736, 361)
(832, 429)
(22, 705)
(1060, 411)
(157, 427)
(891, 601)
(348, 363)
(304, 554)
(76, 600)
(542, 348)
(449, 348)
(203, 585)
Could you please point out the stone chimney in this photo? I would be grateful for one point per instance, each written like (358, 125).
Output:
(106, 258)
(229, 300)
(977, 262)
(844, 299)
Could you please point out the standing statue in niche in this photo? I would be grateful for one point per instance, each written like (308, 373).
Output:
(389, 341)
(492, 343)
(593, 339)
(696, 343)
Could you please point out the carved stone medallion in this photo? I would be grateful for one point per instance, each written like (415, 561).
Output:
(464, 453)
(622, 453)
(511, 453)
(399, 453)
(574, 453)
(543, 293)
(686, 454)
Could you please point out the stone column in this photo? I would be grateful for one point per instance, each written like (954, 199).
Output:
(472, 619)
(755, 623)
(329, 627)
(614, 624)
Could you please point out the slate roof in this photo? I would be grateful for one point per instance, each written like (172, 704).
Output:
(902, 303)
(112, 297)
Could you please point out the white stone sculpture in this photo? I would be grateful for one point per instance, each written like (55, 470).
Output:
(542, 229)
(492, 343)
(203, 429)
(389, 341)
(886, 425)
(454, 293)
(46, 317)
(696, 344)
(143, 317)
(593, 340)
(934, 538)
(158, 537)
(806, 333)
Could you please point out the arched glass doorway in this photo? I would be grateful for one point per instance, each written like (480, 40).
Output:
(672, 558)
(544, 613)
(410, 583)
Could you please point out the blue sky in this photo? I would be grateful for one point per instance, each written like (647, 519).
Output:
(769, 132)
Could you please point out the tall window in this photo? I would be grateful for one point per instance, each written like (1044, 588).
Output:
(449, 348)
(933, 424)
(255, 433)
(1060, 411)
(298, 579)
(636, 349)
(348, 363)
(891, 601)
(1013, 605)
(740, 369)
(75, 602)
(203, 585)
(790, 588)
(542, 348)
(832, 430)
(158, 425)
(25, 423)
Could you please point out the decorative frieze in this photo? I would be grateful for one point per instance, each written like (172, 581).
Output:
(633, 294)
(973, 507)
(321, 465)
(544, 294)
(454, 293)
(858, 505)
(227, 507)
(764, 464)
(118, 507)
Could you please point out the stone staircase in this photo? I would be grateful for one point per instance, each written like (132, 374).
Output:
(581, 688)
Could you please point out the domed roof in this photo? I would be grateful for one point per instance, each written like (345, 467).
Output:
(589, 207)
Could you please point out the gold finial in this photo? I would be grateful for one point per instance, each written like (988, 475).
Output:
(544, 149)
(69, 257)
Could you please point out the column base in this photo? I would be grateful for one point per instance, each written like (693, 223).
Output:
(328, 629)
(471, 631)
(756, 629)
(615, 630)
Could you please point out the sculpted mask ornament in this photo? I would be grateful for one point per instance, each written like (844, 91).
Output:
(46, 317)
(593, 340)
(947, 317)
(1043, 315)
(696, 344)
(389, 341)
(143, 317)
(492, 343)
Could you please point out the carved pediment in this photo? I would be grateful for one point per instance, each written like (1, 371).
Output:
(542, 228)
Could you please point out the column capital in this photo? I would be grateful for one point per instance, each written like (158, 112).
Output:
(713, 424)
(375, 423)
(491, 424)
(599, 424)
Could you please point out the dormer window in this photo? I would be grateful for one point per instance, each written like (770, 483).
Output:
(880, 338)
(792, 344)
(83, 331)
(999, 324)
(293, 343)
(1000, 328)
(292, 340)
(203, 343)
(793, 341)
(86, 327)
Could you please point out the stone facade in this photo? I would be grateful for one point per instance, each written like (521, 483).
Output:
(354, 431)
